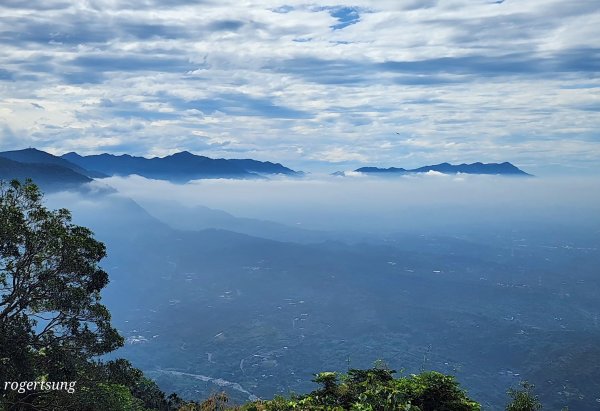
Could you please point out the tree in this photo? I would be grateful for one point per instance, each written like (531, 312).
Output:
(523, 399)
(51, 320)
(52, 323)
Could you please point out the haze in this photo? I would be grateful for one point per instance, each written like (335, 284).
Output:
(371, 204)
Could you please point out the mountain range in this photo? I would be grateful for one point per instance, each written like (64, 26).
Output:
(71, 169)
(181, 167)
(505, 168)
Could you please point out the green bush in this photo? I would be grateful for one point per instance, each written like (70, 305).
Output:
(376, 389)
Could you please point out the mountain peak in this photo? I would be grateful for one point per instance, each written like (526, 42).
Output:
(26, 152)
(184, 153)
(70, 154)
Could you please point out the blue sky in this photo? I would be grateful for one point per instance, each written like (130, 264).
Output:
(316, 86)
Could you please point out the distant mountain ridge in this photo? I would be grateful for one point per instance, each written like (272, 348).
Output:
(71, 169)
(505, 168)
(35, 156)
(182, 166)
(47, 176)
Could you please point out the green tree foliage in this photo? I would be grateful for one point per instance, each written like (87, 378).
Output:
(523, 399)
(216, 402)
(52, 324)
(376, 389)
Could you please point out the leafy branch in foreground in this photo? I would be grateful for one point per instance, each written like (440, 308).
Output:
(52, 323)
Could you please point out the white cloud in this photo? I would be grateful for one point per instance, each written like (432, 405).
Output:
(458, 80)
(339, 155)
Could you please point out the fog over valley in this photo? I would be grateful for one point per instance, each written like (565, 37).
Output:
(372, 204)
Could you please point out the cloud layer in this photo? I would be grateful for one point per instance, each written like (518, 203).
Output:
(430, 201)
(329, 84)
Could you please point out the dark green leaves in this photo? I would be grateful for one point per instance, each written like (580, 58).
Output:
(51, 320)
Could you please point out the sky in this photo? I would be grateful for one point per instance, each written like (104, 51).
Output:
(324, 86)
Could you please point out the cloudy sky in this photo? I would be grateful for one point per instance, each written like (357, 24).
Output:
(317, 86)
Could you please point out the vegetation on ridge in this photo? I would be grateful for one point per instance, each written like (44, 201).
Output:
(375, 389)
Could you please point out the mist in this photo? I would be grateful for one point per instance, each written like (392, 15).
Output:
(432, 202)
